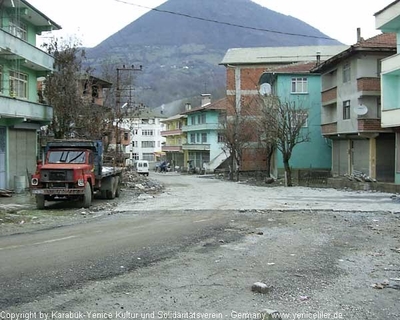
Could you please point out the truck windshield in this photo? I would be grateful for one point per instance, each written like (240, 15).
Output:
(67, 157)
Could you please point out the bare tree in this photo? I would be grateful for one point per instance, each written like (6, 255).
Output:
(237, 128)
(285, 127)
(63, 90)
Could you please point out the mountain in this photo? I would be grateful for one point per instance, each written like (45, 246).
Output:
(181, 42)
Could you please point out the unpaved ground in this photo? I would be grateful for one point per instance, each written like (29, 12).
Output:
(323, 252)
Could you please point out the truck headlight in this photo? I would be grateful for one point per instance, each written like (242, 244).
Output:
(34, 181)
(81, 183)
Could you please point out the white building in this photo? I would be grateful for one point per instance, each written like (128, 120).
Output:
(146, 139)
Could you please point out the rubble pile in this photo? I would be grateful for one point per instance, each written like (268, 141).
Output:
(140, 183)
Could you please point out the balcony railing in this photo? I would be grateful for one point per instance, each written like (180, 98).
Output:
(31, 57)
(171, 148)
(369, 86)
(329, 128)
(174, 132)
(329, 96)
(197, 147)
(201, 127)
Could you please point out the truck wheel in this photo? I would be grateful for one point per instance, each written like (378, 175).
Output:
(117, 187)
(111, 193)
(40, 202)
(87, 196)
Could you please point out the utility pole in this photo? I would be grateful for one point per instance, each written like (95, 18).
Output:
(118, 108)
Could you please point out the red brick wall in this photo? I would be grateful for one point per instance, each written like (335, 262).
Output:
(369, 84)
(329, 128)
(369, 125)
(250, 77)
(329, 95)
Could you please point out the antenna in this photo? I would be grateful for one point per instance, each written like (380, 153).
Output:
(360, 110)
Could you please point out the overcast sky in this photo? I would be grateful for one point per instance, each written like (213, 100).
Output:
(92, 21)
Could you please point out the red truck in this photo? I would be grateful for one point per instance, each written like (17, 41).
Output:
(73, 170)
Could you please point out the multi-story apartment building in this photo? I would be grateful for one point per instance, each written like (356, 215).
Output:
(175, 138)
(22, 112)
(388, 21)
(245, 68)
(146, 139)
(205, 141)
(351, 109)
(296, 86)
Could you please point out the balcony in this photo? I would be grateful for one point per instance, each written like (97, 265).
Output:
(16, 108)
(196, 147)
(329, 129)
(174, 132)
(201, 127)
(369, 86)
(171, 148)
(329, 96)
(13, 48)
(370, 125)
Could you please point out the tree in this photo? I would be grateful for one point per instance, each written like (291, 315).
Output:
(65, 92)
(284, 124)
(237, 128)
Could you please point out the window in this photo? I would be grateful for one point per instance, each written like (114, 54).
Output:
(134, 144)
(147, 132)
(148, 156)
(18, 29)
(346, 109)
(18, 85)
(193, 120)
(299, 118)
(148, 144)
(198, 137)
(221, 137)
(299, 85)
(346, 72)
(135, 156)
(180, 125)
(126, 135)
(204, 138)
(192, 138)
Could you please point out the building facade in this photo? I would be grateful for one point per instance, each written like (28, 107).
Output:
(22, 112)
(175, 138)
(351, 109)
(388, 21)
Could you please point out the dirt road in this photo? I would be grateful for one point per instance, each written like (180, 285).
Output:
(324, 254)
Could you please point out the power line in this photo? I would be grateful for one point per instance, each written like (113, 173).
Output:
(225, 23)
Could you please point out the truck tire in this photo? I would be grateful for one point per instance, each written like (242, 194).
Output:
(87, 196)
(111, 192)
(117, 187)
(40, 202)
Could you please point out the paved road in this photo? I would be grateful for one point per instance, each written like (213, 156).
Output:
(36, 263)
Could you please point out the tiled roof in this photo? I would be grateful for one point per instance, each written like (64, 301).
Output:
(301, 67)
(220, 104)
(384, 40)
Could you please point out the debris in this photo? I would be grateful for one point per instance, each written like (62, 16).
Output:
(6, 193)
(304, 298)
(395, 250)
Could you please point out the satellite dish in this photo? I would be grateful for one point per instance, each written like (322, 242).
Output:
(360, 110)
(41, 79)
(265, 89)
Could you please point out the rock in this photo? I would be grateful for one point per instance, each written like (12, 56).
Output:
(269, 180)
(269, 314)
(260, 287)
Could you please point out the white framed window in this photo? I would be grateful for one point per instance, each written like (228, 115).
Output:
(204, 138)
(346, 72)
(346, 109)
(147, 132)
(299, 85)
(299, 117)
(148, 144)
(18, 29)
(148, 156)
(192, 138)
(18, 85)
(221, 137)
(134, 144)
(1, 79)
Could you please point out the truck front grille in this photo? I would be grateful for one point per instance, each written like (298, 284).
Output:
(56, 175)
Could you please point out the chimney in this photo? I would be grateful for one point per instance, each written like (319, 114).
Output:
(188, 106)
(318, 58)
(205, 99)
(359, 35)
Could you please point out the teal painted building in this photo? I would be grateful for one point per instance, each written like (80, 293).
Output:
(295, 84)
(204, 142)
